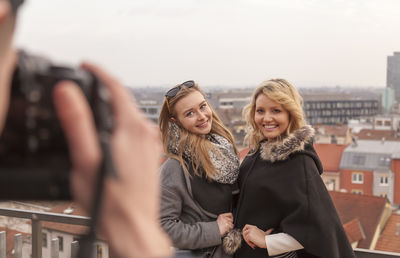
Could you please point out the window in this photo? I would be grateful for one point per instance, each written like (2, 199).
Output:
(44, 239)
(384, 180)
(388, 123)
(60, 243)
(358, 160)
(357, 178)
(384, 161)
(357, 191)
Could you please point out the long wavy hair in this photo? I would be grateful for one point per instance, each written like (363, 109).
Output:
(282, 92)
(199, 146)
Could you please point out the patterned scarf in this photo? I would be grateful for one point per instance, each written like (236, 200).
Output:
(223, 156)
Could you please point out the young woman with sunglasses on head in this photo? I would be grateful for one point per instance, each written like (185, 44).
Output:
(280, 183)
(199, 176)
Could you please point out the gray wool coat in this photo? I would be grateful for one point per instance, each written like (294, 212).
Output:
(188, 225)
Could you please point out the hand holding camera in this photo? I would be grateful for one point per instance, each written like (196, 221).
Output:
(34, 157)
(136, 151)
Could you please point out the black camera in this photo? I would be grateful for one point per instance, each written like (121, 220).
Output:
(34, 156)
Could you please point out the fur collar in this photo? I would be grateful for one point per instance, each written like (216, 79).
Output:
(281, 149)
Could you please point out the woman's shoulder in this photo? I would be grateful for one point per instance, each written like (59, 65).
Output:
(171, 163)
(171, 172)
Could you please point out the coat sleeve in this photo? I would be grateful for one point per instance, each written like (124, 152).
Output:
(280, 243)
(194, 235)
(311, 217)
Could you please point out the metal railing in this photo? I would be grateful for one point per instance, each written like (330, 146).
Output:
(364, 253)
(37, 218)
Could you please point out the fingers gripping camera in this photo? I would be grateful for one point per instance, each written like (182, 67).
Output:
(34, 158)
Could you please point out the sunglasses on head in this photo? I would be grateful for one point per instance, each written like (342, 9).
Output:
(172, 92)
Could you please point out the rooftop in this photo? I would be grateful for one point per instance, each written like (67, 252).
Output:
(330, 155)
(68, 208)
(371, 134)
(390, 238)
(366, 208)
(374, 147)
(354, 230)
(338, 130)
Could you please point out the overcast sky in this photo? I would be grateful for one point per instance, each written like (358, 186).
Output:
(219, 42)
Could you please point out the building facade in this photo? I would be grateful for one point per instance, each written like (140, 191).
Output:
(388, 100)
(367, 168)
(393, 73)
(337, 108)
(151, 108)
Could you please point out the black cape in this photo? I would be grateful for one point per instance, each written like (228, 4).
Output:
(281, 188)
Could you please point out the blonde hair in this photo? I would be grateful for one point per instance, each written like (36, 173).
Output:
(282, 92)
(198, 145)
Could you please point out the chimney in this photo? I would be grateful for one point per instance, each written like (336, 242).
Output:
(397, 229)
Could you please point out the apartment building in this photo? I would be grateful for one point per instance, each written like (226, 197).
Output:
(367, 168)
(393, 73)
(337, 108)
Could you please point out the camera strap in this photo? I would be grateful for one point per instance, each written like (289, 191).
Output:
(106, 169)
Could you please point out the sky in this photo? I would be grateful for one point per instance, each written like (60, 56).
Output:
(230, 43)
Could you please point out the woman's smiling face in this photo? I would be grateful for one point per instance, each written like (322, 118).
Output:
(270, 117)
(194, 114)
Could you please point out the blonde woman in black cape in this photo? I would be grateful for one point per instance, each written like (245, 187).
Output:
(199, 176)
(280, 183)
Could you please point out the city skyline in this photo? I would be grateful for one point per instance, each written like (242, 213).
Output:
(219, 43)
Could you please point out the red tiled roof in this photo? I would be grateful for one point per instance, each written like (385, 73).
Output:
(67, 228)
(354, 230)
(10, 233)
(330, 155)
(338, 130)
(366, 208)
(389, 241)
(371, 134)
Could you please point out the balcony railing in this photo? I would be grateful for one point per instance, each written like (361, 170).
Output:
(38, 217)
(364, 253)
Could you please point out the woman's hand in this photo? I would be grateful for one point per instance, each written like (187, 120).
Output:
(255, 236)
(225, 223)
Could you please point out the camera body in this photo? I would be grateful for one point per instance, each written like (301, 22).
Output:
(34, 155)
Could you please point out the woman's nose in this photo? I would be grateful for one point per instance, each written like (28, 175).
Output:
(267, 117)
(201, 116)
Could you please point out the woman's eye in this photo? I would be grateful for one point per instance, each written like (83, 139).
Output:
(203, 106)
(276, 111)
(189, 114)
(259, 111)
